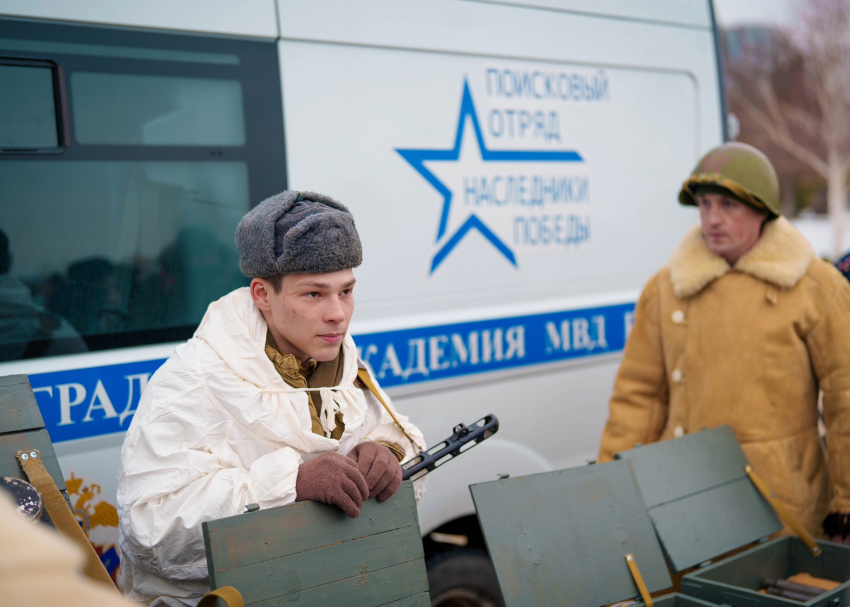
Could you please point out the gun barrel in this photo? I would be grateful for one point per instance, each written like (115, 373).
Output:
(463, 439)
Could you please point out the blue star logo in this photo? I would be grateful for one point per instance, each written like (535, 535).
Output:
(417, 158)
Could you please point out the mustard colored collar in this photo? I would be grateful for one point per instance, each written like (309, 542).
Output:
(780, 257)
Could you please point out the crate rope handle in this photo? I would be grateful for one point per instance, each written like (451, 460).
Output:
(638, 578)
(783, 513)
(60, 515)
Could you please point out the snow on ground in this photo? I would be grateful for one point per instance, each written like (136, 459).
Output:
(816, 229)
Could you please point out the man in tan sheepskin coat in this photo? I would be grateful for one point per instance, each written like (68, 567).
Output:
(743, 327)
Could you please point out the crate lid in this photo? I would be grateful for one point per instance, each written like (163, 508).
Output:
(19, 410)
(700, 499)
(560, 538)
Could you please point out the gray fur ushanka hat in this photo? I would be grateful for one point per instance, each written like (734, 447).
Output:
(297, 233)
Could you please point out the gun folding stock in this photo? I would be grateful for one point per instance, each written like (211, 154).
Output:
(463, 438)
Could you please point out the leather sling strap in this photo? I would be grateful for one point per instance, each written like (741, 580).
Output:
(228, 594)
(363, 375)
(61, 516)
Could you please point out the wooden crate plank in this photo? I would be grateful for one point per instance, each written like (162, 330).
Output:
(18, 408)
(560, 538)
(10, 444)
(702, 526)
(268, 579)
(417, 600)
(671, 470)
(392, 584)
(244, 539)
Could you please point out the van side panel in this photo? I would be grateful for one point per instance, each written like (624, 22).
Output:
(495, 176)
(491, 181)
(243, 18)
(692, 12)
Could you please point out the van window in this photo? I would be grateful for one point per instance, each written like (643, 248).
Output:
(156, 110)
(127, 236)
(27, 107)
(135, 245)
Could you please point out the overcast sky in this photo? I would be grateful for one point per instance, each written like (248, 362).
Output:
(731, 13)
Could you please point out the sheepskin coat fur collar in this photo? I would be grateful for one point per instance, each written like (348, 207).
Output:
(780, 257)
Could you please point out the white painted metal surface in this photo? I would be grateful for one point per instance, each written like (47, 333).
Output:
(243, 18)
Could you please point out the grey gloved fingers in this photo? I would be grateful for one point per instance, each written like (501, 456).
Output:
(393, 483)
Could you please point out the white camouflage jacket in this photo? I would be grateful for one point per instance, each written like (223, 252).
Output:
(216, 429)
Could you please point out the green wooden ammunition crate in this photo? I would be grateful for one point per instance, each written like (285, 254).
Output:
(22, 429)
(561, 538)
(701, 501)
(314, 554)
(703, 505)
(677, 599)
(736, 580)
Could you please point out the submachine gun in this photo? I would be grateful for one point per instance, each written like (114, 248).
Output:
(463, 438)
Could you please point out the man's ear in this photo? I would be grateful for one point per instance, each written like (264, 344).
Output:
(260, 294)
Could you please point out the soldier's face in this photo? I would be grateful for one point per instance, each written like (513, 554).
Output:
(309, 317)
(730, 228)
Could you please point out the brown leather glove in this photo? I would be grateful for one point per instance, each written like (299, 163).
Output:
(334, 479)
(379, 467)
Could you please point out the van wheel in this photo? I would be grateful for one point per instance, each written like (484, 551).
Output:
(463, 577)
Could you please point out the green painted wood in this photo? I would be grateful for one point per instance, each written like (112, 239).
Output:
(423, 599)
(245, 539)
(10, 444)
(670, 470)
(699, 527)
(701, 501)
(299, 572)
(316, 555)
(735, 581)
(560, 538)
(677, 600)
(383, 587)
(18, 408)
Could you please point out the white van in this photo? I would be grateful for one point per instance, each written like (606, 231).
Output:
(512, 168)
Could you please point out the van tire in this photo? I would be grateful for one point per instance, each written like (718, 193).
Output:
(463, 577)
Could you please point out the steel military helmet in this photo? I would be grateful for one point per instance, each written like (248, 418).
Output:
(740, 169)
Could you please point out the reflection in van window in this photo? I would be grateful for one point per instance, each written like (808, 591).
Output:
(106, 247)
(128, 109)
(27, 107)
